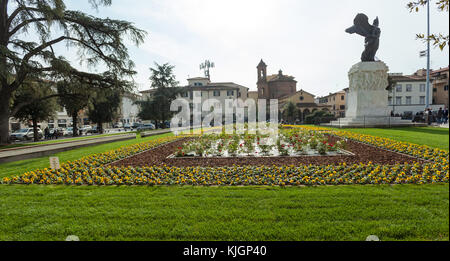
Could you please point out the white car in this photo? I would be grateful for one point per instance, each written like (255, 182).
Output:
(69, 132)
(26, 134)
(86, 128)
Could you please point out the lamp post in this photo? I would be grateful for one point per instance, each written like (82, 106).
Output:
(427, 102)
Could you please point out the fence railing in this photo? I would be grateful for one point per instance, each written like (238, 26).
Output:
(370, 122)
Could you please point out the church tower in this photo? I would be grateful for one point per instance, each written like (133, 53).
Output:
(263, 87)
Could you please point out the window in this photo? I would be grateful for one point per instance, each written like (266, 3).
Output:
(422, 100)
(302, 98)
(184, 94)
(230, 93)
(408, 88)
(408, 100)
(434, 89)
(390, 100)
(422, 88)
(398, 100)
(342, 107)
(398, 88)
(216, 93)
(342, 97)
(446, 88)
(198, 84)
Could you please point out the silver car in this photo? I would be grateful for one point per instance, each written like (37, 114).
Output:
(26, 134)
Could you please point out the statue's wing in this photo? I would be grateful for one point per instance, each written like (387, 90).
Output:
(361, 25)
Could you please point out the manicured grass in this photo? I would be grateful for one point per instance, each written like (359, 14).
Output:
(433, 137)
(400, 212)
(19, 167)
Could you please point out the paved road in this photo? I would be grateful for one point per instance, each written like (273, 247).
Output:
(107, 131)
(27, 152)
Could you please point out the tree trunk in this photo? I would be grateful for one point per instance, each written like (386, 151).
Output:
(74, 124)
(4, 116)
(35, 131)
(100, 128)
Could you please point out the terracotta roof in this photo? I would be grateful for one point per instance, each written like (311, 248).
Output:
(288, 96)
(440, 70)
(407, 78)
(198, 78)
(277, 77)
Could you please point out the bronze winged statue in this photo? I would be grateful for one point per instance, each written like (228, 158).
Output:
(371, 33)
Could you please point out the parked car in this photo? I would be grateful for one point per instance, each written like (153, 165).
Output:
(26, 134)
(69, 132)
(147, 126)
(85, 129)
(127, 126)
(93, 129)
(117, 125)
(136, 125)
(63, 132)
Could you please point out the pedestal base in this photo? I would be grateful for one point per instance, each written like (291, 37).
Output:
(371, 122)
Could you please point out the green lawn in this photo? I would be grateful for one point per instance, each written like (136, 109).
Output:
(433, 137)
(19, 167)
(401, 212)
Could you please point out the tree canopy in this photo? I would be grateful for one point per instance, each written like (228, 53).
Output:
(37, 110)
(440, 40)
(97, 41)
(157, 107)
(103, 107)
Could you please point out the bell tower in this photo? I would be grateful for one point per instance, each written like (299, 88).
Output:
(263, 88)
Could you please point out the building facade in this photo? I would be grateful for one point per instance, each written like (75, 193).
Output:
(128, 110)
(218, 91)
(304, 102)
(440, 80)
(337, 102)
(408, 96)
(284, 89)
(274, 86)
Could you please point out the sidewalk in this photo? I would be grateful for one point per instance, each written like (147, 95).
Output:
(21, 153)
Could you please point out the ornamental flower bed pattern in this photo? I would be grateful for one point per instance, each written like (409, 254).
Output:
(286, 143)
(91, 170)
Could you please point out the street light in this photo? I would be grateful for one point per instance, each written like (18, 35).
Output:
(428, 56)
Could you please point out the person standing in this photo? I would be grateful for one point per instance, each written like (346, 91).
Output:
(46, 133)
(445, 115)
(439, 116)
(428, 113)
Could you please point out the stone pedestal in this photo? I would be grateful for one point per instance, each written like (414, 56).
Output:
(367, 95)
(367, 98)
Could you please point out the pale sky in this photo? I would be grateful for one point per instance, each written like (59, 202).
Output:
(306, 39)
